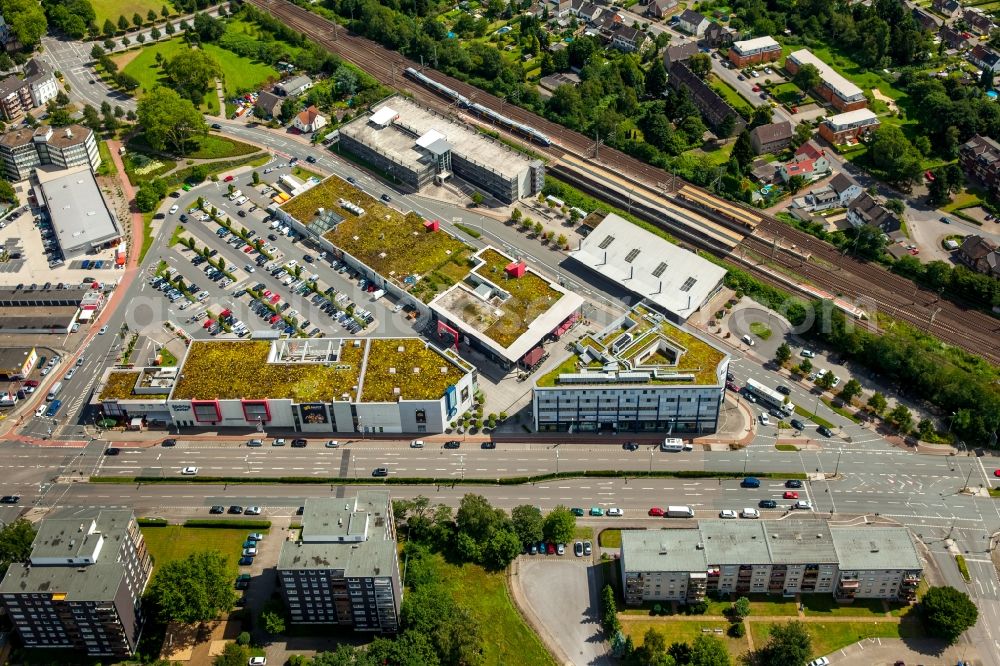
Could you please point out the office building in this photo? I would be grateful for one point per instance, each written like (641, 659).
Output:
(722, 557)
(82, 585)
(639, 374)
(81, 218)
(343, 568)
(24, 149)
(419, 146)
(833, 87)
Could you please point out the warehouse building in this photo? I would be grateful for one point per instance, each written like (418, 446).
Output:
(36, 309)
(674, 280)
(343, 568)
(640, 374)
(80, 216)
(82, 585)
(419, 146)
(321, 385)
(721, 557)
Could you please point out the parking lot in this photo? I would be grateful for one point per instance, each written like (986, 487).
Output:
(259, 291)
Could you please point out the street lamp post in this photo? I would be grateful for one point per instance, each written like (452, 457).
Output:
(557, 461)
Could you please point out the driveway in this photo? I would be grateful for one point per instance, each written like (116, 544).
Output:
(563, 593)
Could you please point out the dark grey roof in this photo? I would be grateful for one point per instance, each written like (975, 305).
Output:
(36, 69)
(872, 212)
(772, 132)
(841, 182)
(679, 53)
(10, 85)
(268, 100)
(691, 16)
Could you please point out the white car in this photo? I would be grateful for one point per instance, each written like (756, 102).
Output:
(279, 441)
(249, 552)
(822, 661)
(807, 353)
(173, 209)
(104, 329)
(615, 511)
(417, 444)
(252, 511)
(41, 410)
(804, 505)
(560, 549)
(727, 513)
(764, 420)
(747, 340)
(257, 661)
(189, 471)
(836, 382)
(749, 513)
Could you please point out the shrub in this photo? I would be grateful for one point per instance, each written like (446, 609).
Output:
(737, 630)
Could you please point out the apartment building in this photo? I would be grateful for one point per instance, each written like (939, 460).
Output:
(712, 106)
(868, 211)
(82, 585)
(343, 567)
(41, 81)
(772, 137)
(754, 51)
(21, 150)
(980, 157)
(18, 95)
(834, 88)
(848, 127)
(721, 557)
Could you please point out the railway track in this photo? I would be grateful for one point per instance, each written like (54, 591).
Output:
(966, 328)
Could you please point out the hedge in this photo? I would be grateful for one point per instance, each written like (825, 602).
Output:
(152, 522)
(468, 481)
(230, 523)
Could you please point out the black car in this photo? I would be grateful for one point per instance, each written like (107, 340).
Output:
(452, 444)
(386, 198)
(216, 126)
(767, 504)
(308, 258)
(241, 213)
(488, 445)
(781, 388)
(184, 217)
(793, 483)
(380, 471)
(236, 509)
(630, 446)
(112, 451)
(823, 430)
(311, 159)
(217, 509)
(351, 180)
(10, 499)
(300, 511)
(272, 237)
(298, 443)
(798, 425)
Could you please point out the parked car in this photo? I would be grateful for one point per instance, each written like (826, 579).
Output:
(217, 509)
(596, 511)
(656, 511)
(452, 444)
(615, 512)
(577, 511)
(767, 504)
(727, 513)
(749, 512)
(578, 549)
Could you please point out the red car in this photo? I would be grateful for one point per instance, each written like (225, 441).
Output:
(34, 382)
(790, 495)
(228, 179)
(551, 549)
(996, 472)
(657, 511)
(733, 386)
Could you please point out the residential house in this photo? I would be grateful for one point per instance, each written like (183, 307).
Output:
(865, 210)
(810, 151)
(629, 39)
(294, 86)
(41, 82)
(309, 120)
(842, 94)
(713, 107)
(754, 51)
(980, 158)
(585, 11)
(838, 193)
(947, 8)
(679, 53)
(953, 39)
(268, 105)
(985, 57)
(607, 23)
(978, 20)
(692, 23)
(560, 8)
(718, 36)
(763, 171)
(660, 8)
(848, 127)
(981, 255)
(553, 81)
(925, 19)
(805, 168)
(772, 137)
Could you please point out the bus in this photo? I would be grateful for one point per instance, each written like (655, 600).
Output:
(53, 408)
(767, 396)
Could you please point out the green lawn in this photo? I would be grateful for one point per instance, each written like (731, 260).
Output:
(790, 95)
(175, 542)
(147, 72)
(107, 167)
(760, 330)
(828, 637)
(213, 146)
(729, 94)
(684, 631)
(508, 639)
(241, 74)
(305, 174)
(610, 539)
(847, 67)
(819, 604)
(112, 9)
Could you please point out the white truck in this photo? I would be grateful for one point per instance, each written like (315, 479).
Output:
(680, 512)
(675, 444)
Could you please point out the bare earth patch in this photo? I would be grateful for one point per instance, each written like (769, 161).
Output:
(124, 59)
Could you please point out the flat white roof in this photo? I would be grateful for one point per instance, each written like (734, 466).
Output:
(383, 116)
(429, 137)
(852, 117)
(81, 218)
(756, 44)
(845, 88)
(671, 277)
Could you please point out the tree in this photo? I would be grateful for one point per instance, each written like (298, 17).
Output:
(7, 194)
(195, 589)
(169, 121)
(191, 73)
(796, 183)
(15, 543)
(656, 79)
(164, 11)
(256, 178)
(901, 416)
(761, 115)
(609, 611)
(137, 20)
(851, 390)
(288, 110)
(209, 29)
(26, 20)
(527, 521)
(893, 154)
(877, 402)
(783, 354)
(140, 38)
(807, 77)
(170, 29)
(233, 654)
(96, 51)
(726, 126)
(477, 199)
(126, 41)
(150, 16)
(122, 23)
(476, 517)
(709, 651)
(273, 622)
(740, 609)
(700, 64)
(788, 645)
(743, 151)
(559, 525)
(803, 132)
(502, 546)
(155, 33)
(826, 381)
(947, 612)
(108, 29)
